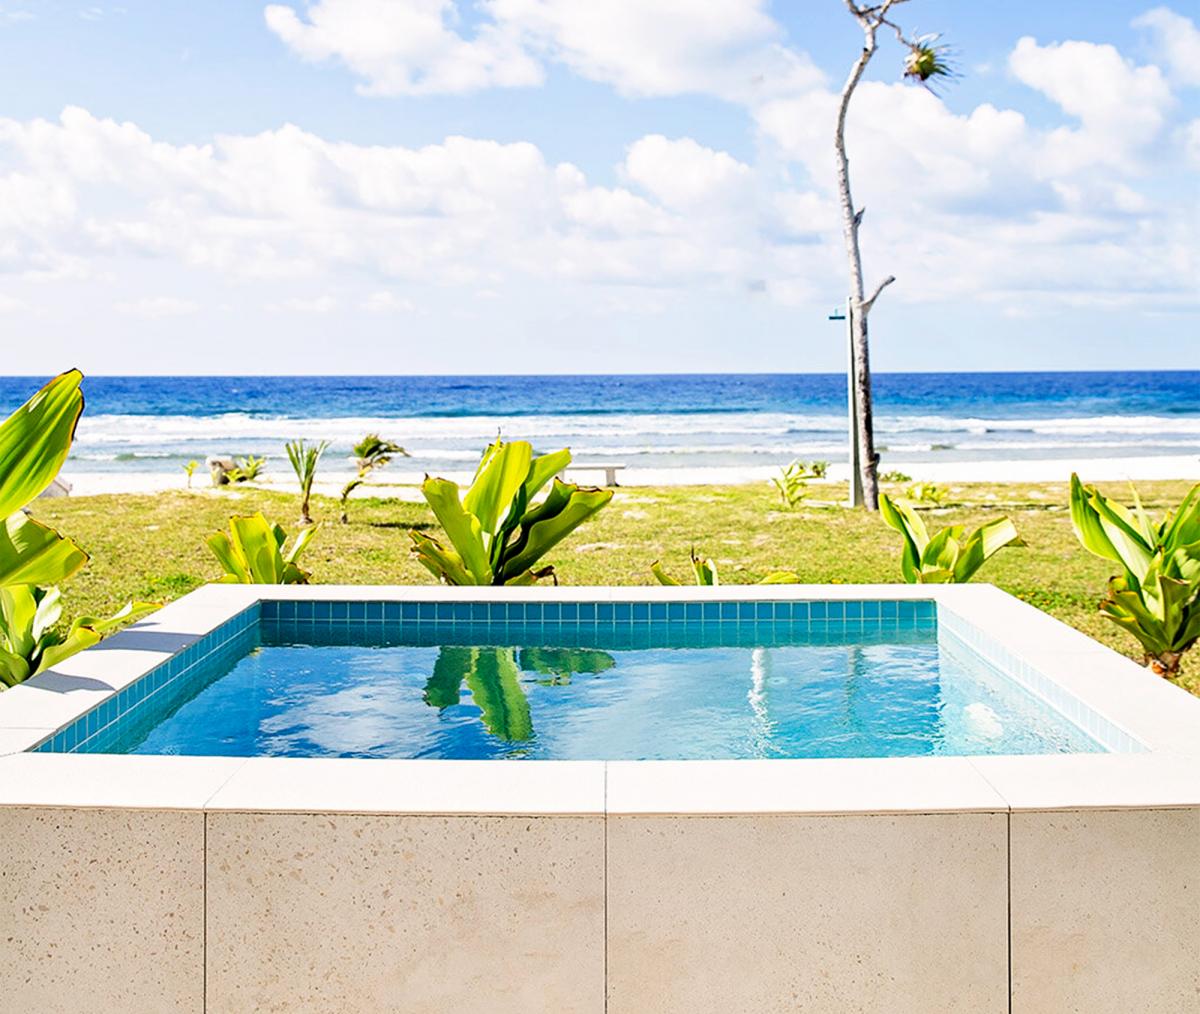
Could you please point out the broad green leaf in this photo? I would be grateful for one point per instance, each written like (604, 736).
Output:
(13, 668)
(781, 577)
(35, 440)
(904, 519)
(233, 561)
(462, 528)
(49, 611)
(128, 613)
(656, 568)
(304, 537)
(31, 553)
(256, 539)
(705, 570)
(1087, 525)
(491, 494)
(18, 612)
(442, 563)
(496, 690)
(543, 469)
(542, 530)
(982, 544)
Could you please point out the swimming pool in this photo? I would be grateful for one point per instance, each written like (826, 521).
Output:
(712, 680)
(896, 798)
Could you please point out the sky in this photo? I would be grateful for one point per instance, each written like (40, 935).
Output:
(565, 186)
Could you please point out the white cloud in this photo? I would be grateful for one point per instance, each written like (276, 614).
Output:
(1121, 107)
(157, 307)
(301, 304)
(729, 48)
(387, 302)
(405, 47)
(1178, 39)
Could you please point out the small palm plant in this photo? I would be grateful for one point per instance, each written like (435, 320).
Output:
(370, 453)
(792, 483)
(1157, 597)
(252, 552)
(190, 470)
(497, 534)
(950, 557)
(304, 457)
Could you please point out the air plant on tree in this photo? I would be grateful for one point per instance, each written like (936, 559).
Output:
(928, 60)
(370, 453)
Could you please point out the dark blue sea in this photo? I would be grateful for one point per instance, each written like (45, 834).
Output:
(723, 422)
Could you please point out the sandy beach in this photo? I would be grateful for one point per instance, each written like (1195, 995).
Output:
(403, 484)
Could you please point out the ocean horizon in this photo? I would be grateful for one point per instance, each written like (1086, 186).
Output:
(648, 421)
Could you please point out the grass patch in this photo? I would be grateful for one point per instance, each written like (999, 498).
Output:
(153, 546)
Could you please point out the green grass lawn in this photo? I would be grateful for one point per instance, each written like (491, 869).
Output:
(153, 546)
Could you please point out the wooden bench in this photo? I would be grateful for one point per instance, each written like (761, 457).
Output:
(609, 468)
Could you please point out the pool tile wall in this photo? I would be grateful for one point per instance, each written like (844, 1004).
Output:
(954, 629)
(173, 679)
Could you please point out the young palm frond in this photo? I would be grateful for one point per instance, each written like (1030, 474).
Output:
(304, 457)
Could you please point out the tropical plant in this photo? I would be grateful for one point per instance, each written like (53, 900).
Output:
(1157, 597)
(190, 470)
(895, 477)
(304, 457)
(927, 492)
(705, 571)
(951, 556)
(370, 453)
(31, 639)
(792, 483)
(497, 534)
(928, 61)
(247, 469)
(34, 443)
(252, 552)
(819, 469)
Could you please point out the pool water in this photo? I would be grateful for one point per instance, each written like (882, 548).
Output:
(677, 692)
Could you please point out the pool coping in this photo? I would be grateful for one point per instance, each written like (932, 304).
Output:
(1162, 719)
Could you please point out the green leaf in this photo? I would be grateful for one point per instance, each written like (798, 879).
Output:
(904, 519)
(462, 527)
(543, 528)
(442, 563)
(31, 553)
(781, 577)
(656, 568)
(35, 440)
(982, 544)
(18, 613)
(543, 469)
(502, 475)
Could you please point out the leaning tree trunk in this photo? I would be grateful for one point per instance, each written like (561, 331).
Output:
(860, 306)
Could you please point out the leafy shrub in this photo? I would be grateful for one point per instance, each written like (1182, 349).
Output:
(949, 557)
(252, 552)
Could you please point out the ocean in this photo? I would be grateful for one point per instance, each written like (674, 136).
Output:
(709, 421)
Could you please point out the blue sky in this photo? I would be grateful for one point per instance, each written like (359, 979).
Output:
(224, 187)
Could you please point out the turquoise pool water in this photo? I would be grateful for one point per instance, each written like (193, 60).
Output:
(734, 686)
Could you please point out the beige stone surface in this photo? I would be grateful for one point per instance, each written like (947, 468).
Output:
(823, 914)
(101, 911)
(1106, 912)
(412, 914)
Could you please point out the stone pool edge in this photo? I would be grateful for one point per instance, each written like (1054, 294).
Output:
(920, 884)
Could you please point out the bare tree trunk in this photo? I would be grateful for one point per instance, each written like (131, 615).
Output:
(860, 306)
